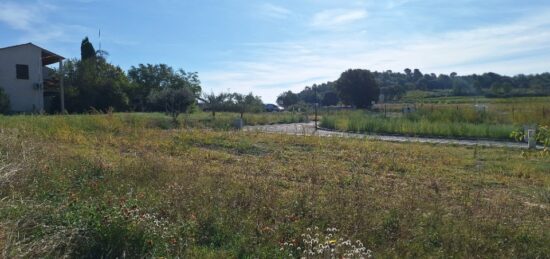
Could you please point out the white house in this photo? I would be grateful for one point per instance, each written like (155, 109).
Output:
(26, 79)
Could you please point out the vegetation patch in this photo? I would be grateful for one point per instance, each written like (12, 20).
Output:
(112, 186)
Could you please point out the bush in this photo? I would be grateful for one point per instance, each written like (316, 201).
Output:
(4, 102)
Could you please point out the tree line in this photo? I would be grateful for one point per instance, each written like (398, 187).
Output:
(355, 87)
(92, 83)
(395, 85)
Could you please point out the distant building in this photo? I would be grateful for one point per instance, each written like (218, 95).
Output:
(26, 79)
(272, 108)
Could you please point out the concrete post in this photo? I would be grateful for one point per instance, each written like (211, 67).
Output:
(532, 139)
(238, 123)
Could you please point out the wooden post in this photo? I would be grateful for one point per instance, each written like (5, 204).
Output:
(61, 86)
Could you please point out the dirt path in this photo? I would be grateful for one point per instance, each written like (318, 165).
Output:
(309, 129)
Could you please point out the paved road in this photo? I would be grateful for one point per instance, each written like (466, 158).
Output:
(309, 129)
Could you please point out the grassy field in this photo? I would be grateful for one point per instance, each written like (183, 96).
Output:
(123, 185)
(454, 117)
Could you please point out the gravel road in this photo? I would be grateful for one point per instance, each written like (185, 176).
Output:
(309, 129)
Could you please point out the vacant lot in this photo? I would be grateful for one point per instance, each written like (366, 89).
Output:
(451, 117)
(126, 185)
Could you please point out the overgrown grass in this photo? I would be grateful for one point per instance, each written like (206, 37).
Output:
(115, 186)
(56, 125)
(436, 124)
(512, 111)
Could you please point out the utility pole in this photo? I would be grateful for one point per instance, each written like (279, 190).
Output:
(62, 86)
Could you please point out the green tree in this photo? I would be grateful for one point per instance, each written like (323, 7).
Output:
(357, 87)
(94, 83)
(408, 72)
(247, 103)
(287, 99)
(217, 102)
(330, 98)
(87, 50)
(174, 100)
(501, 88)
(147, 78)
(417, 75)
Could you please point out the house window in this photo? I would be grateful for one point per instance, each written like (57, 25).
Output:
(22, 71)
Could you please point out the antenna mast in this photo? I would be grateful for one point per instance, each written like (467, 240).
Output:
(100, 53)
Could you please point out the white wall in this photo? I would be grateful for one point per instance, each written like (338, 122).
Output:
(23, 95)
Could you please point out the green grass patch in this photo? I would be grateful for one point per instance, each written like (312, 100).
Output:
(114, 186)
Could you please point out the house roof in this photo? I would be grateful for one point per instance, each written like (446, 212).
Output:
(48, 57)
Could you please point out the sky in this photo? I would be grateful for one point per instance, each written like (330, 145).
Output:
(267, 47)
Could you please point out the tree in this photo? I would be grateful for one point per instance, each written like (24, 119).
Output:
(4, 102)
(287, 99)
(408, 72)
(417, 75)
(87, 50)
(94, 83)
(462, 88)
(247, 103)
(217, 103)
(330, 98)
(357, 87)
(147, 78)
(174, 100)
(501, 88)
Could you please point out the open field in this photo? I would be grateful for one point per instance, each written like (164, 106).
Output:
(452, 117)
(107, 185)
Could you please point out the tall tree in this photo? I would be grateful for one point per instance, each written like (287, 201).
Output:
(357, 87)
(87, 50)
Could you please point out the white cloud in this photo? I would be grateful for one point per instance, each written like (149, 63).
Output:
(19, 16)
(334, 18)
(274, 11)
(32, 19)
(519, 47)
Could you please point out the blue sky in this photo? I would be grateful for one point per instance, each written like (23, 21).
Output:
(271, 46)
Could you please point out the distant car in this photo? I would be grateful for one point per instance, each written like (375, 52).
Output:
(272, 108)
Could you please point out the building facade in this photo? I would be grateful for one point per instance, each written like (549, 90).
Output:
(24, 76)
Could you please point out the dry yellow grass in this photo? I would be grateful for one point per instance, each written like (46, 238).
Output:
(113, 188)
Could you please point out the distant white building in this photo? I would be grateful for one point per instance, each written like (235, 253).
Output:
(27, 80)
